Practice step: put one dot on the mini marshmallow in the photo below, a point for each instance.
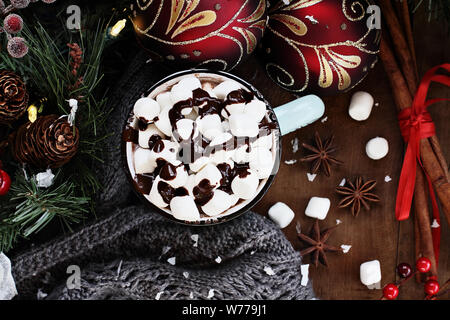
(318, 208)
(281, 214)
(225, 126)
(190, 83)
(377, 148)
(186, 129)
(163, 122)
(199, 164)
(144, 136)
(219, 202)
(221, 139)
(240, 155)
(184, 208)
(245, 187)
(190, 184)
(210, 126)
(243, 125)
(146, 108)
(220, 156)
(164, 100)
(168, 153)
(144, 161)
(179, 93)
(211, 173)
(360, 106)
(256, 108)
(263, 141)
(370, 272)
(232, 109)
(181, 175)
(155, 196)
(223, 89)
(261, 161)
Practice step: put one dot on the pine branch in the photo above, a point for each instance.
(30, 208)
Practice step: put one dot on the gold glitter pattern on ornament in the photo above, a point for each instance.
(223, 62)
(175, 11)
(154, 21)
(201, 19)
(190, 6)
(143, 4)
(249, 37)
(292, 23)
(257, 14)
(291, 79)
(354, 10)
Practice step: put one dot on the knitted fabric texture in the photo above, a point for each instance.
(126, 255)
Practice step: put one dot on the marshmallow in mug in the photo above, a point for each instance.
(146, 108)
(361, 106)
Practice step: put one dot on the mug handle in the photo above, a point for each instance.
(299, 113)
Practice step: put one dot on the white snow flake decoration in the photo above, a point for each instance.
(345, 248)
(338, 221)
(304, 270)
(294, 143)
(45, 179)
(172, 260)
(211, 293)
(158, 295)
(269, 271)
(194, 238)
(290, 162)
(186, 274)
(324, 120)
(435, 224)
(311, 176)
(343, 181)
(387, 179)
(218, 260)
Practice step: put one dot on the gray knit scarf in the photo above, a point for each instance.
(134, 253)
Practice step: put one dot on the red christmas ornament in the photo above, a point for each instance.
(320, 46)
(216, 34)
(423, 264)
(390, 291)
(5, 182)
(431, 287)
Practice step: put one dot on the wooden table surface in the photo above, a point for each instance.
(374, 234)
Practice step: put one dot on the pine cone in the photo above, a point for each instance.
(49, 142)
(13, 97)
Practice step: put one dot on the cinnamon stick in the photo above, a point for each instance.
(400, 45)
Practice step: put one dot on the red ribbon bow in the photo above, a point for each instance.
(416, 124)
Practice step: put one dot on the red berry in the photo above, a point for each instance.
(423, 265)
(5, 183)
(431, 287)
(404, 270)
(13, 23)
(390, 291)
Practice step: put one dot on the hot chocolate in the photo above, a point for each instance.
(200, 146)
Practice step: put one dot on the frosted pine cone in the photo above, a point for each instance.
(13, 97)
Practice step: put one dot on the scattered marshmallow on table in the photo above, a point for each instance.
(318, 208)
(146, 108)
(184, 208)
(245, 187)
(377, 148)
(281, 214)
(370, 272)
(219, 202)
(361, 106)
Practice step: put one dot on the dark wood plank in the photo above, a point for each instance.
(374, 234)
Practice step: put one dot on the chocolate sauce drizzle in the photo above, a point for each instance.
(228, 174)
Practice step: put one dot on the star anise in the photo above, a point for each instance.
(357, 194)
(321, 156)
(317, 240)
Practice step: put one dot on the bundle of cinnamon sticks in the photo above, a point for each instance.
(398, 56)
